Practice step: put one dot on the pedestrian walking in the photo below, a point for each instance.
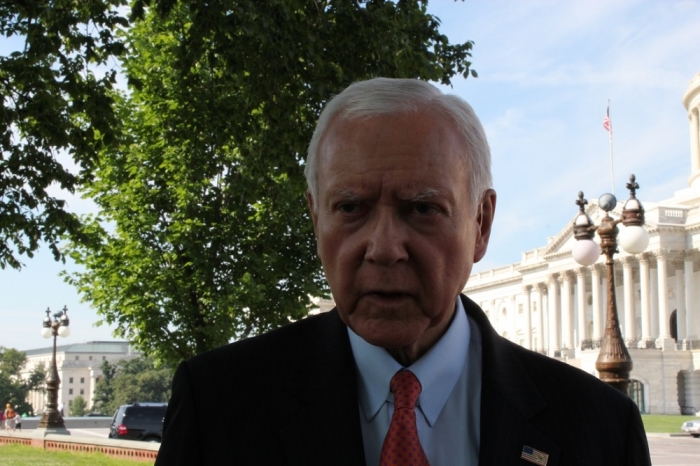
(9, 417)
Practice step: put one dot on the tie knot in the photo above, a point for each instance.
(406, 387)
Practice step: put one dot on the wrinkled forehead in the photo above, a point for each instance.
(416, 150)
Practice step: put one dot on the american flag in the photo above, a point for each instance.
(534, 456)
(607, 124)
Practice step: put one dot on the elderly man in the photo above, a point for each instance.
(405, 371)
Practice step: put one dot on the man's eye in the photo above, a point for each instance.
(349, 208)
(424, 209)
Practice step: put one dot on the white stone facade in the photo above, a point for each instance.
(549, 303)
(78, 368)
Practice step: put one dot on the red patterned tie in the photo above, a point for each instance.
(401, 444)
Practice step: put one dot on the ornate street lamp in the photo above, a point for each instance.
(52, 420)
(614, 362)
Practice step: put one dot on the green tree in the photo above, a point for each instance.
(79, 406)
(208, 236)
(130, 381)
(54, 99)
(13, 388)
(104, 392)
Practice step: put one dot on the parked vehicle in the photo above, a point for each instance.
(692, 427)
(139, 421)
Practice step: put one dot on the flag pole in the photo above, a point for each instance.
(612, 167)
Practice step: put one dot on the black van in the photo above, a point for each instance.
(139, 421)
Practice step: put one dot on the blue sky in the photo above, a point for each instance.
(546, 71)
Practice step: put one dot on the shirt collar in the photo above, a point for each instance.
(437, 370)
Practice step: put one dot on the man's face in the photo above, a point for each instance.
(396, 233)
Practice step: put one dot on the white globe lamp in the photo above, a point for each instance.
(634, 239)
(586, 252)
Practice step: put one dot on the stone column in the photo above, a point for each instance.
(528, 317)
(691, 306)
(680, 300)
(654, 295)
(664, 315)
(597, 308)
(644, 292)
(581, 305)
(541, 291)
(553, 311)
(567, 330)
(630, 326)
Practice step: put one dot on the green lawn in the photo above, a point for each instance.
(665, 423)
(20, 455)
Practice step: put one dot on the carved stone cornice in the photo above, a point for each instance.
(566, 276)
(558, 255)
(496, 284)
(661, 254)
(532, 267)
(689, 255)
(627, 261)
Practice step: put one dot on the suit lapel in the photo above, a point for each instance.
(509, 401)
(326, 428)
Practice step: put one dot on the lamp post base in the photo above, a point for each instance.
(42, 432)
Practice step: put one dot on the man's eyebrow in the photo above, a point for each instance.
(346, 194)
(424, 196)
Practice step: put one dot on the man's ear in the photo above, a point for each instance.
(312, 210)
(484, 219)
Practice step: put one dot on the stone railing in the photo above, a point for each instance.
(688, 345)
(672, 215)
(591, 344)
(645, 343)
(126, 449)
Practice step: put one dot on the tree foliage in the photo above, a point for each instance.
(79, 406)
(129, 381)
(208, 237)
(53, 99)
(13, 388)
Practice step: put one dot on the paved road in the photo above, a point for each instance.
(676, 451)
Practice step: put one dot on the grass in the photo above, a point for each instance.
(661, 423)
(21, 455)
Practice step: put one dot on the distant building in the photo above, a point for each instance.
(78, 368)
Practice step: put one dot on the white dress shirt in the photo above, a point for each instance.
(448, 408)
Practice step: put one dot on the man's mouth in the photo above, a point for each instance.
(387, 296)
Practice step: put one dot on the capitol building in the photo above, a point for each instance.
(549, 303)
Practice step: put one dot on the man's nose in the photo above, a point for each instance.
(386, 238)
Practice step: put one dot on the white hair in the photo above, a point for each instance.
(380, 96)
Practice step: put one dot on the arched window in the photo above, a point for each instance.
(637, 394)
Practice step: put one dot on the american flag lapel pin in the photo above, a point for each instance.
(534, 456)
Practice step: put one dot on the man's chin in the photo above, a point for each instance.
(389, 334)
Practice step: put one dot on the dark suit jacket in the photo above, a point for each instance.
(289, 397)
